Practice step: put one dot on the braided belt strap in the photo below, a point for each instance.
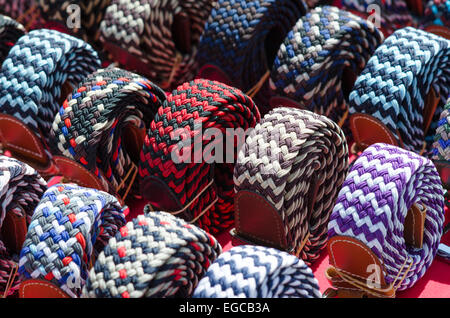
(35, 70)
(297, 161)
(155, 255)
(199, 182)
(396, 80)
(10, 32)
(91, 14)
(162, 34)
(21, 188)
(441, 145)
(437, 12)
(92, 125)
(257, 272)
(392, 14)
(311, 64)
(383, 184)
(242, 37)
(69, 227)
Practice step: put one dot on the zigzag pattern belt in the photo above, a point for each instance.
(257, 272)
(376, 207)
(155, 255)
(161, 35)
(183, 170)
(10, 32)
(287, 178)
(399, 90)
(241, 38)
(21, 188)
(33, 75)
(68, 229)
(91, 14)
(391, 14)
(320, 55)
(102, 125)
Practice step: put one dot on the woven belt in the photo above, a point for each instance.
(69, 227)
(441, 145)
(241, 38)
(257, 272)
(392, 14)
(287, 178)
(396, 98)
(10, 32)
(21, 188)
(200, 190)
(155, 255)
(91, 14)
(320, 58)
(392, 206)
(102, 125)
(161, 35)
(23, 11)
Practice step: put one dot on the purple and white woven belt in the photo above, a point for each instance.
(155, 255)
(257, 272)
(294, 161)
(381, 187)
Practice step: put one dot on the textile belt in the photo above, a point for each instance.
(257, 272)
(398, 97)
(287, 178)
(155, 255)
(21, 188)
(10, 32)
(156, 38)
(23, 11)
(183, 169)
(391, 14)
(91, 14)
(241, 39)
(320, 58)
(68, 229)
(37, 72)
(389, 215)
(103, 122)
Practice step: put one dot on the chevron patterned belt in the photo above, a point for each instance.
(257, 272)
(241, 39)
(320, 58)
(162, 37)
(10, 32)
(392, 14)
(62, 11)
(287, 178)
(398, 97)
(21, 188)
(69, 227)
(387, 222)
(33, 78)
(155, 255)
(102, 125)
(183, 170)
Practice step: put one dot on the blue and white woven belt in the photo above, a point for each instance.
(394, 86)
(441, 145)
(311, 64)
(257, 272)
(21, 188)
(69, 227)
(32, 76)
(155, 255)
(242, 37)
(10, 32)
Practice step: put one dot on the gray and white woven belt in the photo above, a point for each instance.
(287, 178)
(162, 36)
(257, 272)
(21, 188)
(155, 255)
(10, 32)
